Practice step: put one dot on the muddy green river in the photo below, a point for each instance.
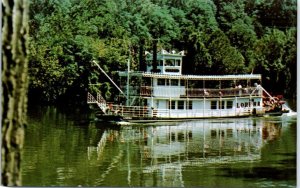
(63, 148)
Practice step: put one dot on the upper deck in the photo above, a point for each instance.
(168, 63)
(170, 82)
(193, 77)
(170, 67)
(204, 77)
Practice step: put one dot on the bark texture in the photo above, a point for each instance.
(14, 88)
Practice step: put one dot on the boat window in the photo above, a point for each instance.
(229, 104)
(258, 103)
(172, 70)
(169, 62)
(173, 105)
(189, 105)
(180, 105)
(161, 62)
(173, 136)
(182, 82)
(174, 82)
(161, 82)
(221, 104)
(213, 104)
(254, 103)
(213, 133)
(177, 62)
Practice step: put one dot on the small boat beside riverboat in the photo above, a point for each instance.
(168, 95)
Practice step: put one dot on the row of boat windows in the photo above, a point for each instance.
(181, 105)
(173, 82)
(168, 62)
(221, 104)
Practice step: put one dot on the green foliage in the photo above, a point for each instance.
(201, 15)
(277, 13)
(219, 37)
(227, 58)
(275, 54)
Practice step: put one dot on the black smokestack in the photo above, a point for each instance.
(141, 55)
(154, 62)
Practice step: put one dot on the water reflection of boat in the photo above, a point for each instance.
(105, 120)
(271, 131)
(210, 139)
(166, 150)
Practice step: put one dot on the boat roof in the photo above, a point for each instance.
(194, 77)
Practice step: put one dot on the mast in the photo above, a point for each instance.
(127, 84)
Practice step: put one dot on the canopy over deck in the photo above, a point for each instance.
(194, 77)
(204, 77)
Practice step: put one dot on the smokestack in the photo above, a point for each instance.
(141, 56)
(154, 61)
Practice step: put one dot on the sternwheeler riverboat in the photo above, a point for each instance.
(169, 95)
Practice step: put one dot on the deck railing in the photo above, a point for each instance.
(99, 100)
(131, 111)
(197, 92)
(140, 111)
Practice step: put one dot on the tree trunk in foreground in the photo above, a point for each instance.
(14, 88)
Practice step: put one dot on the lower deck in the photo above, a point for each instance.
(146, 113)
(158, 108)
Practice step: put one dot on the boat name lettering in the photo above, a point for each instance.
(247, 104)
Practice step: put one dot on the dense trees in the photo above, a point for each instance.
(219, 36)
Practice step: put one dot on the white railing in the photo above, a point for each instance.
(206, 113)
(91, 99)
(172, 91)
(99, 100)
(139, 111)
(130, 111)
(145, 111)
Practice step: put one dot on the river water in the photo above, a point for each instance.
(65, 149)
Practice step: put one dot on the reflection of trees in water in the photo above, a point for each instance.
(271, 131)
